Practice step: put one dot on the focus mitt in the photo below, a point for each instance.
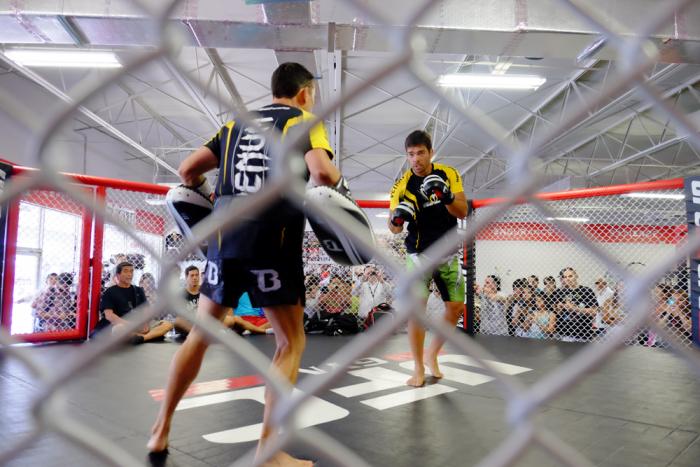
(188, 206)
(339, 246)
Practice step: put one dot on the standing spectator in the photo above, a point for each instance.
(549, 292)
(55, 307)
(371, 289)
(602, 294)
(512, 302)
(118, 300)
(491, 315)
(543, 321)
(661, 297)
(576, 308)
(523, 310)
(534, 282)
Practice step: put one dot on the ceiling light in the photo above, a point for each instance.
(484, 81)
(568, 219)
(64, 58)
(655, 195)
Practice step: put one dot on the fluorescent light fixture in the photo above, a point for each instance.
(655, 195)
(568, 219)
(384, 215)
(64, 58)
(489, 81)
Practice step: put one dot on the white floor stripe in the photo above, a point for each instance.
(455, 374)
(505, 368)
(407, 397)
(379, 380)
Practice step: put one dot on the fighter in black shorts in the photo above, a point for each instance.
(263, 256)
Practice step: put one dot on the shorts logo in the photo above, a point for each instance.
(268, 279)
(331, 245)
(212, 273)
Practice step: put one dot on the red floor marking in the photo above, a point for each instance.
(214, 386)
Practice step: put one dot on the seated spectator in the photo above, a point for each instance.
(435, 308)
(313, 293)
(492, 319)
(191, 296)
(676, 318)
(371, 289)
(612, 307)
(148, 284)
(661, 299)
(602, 294)
(246, 317)
(576, 308)
(55, 307)
(118, 301)
(336, 297)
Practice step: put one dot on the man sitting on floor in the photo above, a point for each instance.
(118, 300)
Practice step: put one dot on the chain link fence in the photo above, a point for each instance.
(534, 280)
(586, 257)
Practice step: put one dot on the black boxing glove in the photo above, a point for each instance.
(434, 184)
(404, 212)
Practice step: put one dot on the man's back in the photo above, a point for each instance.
(245, 162)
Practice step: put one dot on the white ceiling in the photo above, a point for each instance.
(234, 50)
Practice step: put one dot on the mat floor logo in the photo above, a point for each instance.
(317, 411)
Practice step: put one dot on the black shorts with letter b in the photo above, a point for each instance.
(267, 283)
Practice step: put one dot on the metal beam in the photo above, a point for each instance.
(236, 100)
(194, 94)
(150, 111)
(551, 32)
(627, 116)
(47, 86)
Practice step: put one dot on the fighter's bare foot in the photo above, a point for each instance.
(282, 459)
(418, 378)
(158, 441)
(432, 364)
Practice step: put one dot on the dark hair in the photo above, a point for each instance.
(122, 265)
(519, 283)
(534, 277)
(549, 279)
(561, 273)
(189, 268)
(65, 278)
(418, 138)
(288, 79)
(496, 280)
